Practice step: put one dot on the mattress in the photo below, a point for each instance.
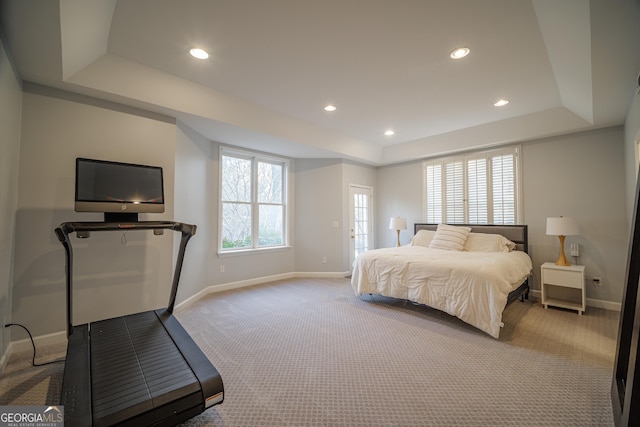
(472, 286)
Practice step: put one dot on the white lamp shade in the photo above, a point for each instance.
(562, 226)
(397, 223)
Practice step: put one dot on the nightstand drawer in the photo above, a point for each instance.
(563, 286)
(570, 279)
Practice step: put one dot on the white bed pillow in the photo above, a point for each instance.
(423, 238)
(450, 237)
(482, 242)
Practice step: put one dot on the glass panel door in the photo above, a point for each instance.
(360, 221)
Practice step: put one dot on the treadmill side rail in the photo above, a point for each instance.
(208, 376)
(76, 389)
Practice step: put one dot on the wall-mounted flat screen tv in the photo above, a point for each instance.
(119, 190)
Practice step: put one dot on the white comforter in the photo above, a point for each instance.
(472, 286)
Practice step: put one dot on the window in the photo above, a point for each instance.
(253, 201)
(479, 188)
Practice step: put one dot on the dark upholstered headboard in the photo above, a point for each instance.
(518, 234)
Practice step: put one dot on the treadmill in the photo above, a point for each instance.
(142, 369)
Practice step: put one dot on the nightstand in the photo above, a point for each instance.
(563, 286)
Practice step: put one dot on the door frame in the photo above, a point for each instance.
(353, 188)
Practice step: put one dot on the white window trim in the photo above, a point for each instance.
(287, 201)
(517, 149)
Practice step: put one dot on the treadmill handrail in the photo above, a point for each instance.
(66, 228)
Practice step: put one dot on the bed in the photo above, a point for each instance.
(474, 281)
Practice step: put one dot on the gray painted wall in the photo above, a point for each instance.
(193, 204)
(399, 194)
(318, 204)
(10, 117)
(111, 278)
(579, 175)
(321, 202)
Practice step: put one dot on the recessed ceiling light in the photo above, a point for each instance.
(330, 108)
(199, 53)
(389, 132)
(460, 52)
(501, 102)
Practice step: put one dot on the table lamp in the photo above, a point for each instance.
(398, 224)
(561, 227)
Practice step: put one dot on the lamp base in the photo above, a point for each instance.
(562, 260)
(398, 244)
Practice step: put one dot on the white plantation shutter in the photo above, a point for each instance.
(504, 179)
(433, 197)
(477, 191)
(454, 191)
(478, 188)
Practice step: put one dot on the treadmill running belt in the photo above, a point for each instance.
(135, 368)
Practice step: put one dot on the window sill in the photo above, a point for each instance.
(241, 252)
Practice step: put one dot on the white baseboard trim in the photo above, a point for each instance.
(25, 346)
(607, 305)
(232, 285)
(323, 274)
(258, 281)
(5, 358)
(42, 340)
(591, 302)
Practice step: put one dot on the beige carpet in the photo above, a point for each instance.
(307, 352)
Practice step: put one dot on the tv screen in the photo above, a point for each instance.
(114, 187)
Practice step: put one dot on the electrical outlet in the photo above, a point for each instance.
(324, 259)
(222, 269)
(575, 249)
